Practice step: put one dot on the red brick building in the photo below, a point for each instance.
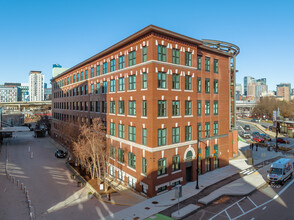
(154, 91)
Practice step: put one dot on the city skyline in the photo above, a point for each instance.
(67, 39)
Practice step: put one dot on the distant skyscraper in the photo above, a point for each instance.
(57, 69)
(284, 91)
(247, 81)
(262, 81)
(36, 81)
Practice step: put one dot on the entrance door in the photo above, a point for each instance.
(189, 171)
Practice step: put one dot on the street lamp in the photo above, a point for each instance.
(197, 167)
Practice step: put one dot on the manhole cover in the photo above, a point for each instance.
(147, 208)
(154, 202)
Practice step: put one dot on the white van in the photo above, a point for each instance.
(280, 171)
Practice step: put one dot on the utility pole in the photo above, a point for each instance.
(197, 166)
(277, 130)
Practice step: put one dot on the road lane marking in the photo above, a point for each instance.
(240, 207)
(228, 214)
(251, 201)
(264, 208)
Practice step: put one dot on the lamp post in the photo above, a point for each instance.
(197, 167)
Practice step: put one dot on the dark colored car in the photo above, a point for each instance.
(266, 137)
(60, 154)
(258, 139)
(282, 140)
(246, 127)
(255, 120)
(255, 133)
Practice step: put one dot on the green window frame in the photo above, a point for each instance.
(105, 68)
(82, 76)
(216, 163)
(207, 107)
(199, 108)
(144, 81)
(161, 108)
(97, 106)
(144, 54)
(207, 152)
(86, 89)
(121, 155)
(132, 160)
(112, 107)
(104, 88)
(144, 165)
(162, 169)
(176, 163)
(132, 82)
(98, 88)
(92, 89)
(161, 80)
(215, 86)
(144, 108)
(207, 129)
(112, 129)
(188, 58)
(207, 64)
(215, 107)
(199, 131)
(144, 136)
(176, 108)
(199, 58)
(161, 133)
(162, 53)
(188, 133)
(188, 107)
(86, 74)
(132, 133)
(215, 65)
(132, 58)
(188, 82)
(121, 86)
(207, 86)
(92, 72)
(78, 77)
(132, 108)
(112, 85)
(121, 63)
(176, 135)
(176, 81)
(98, 70)
(215, 128)
(112, 65)
(198, 85)
(176, 56)
(121, 107)
(74, 78)
(104, 107)
(121, 131)
(112, 152)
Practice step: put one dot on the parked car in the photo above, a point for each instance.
(255, 120)
(280, 171)
(246, 127)
(246, 135)
(266, 137)
(282, 140)
(60, 154)
(258, 139)
(255, 133)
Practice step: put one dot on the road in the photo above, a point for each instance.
(53, 193)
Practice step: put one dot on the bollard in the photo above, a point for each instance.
(24, 189)
(32, 155)
(27, 192)
(29, 149)
(17, 183)
(28, 197)
(29, 203)
(21, 186)
(13, 180)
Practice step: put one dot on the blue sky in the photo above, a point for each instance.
(35, 34)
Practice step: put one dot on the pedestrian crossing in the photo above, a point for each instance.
(248, 171)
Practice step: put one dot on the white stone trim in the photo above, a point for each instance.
(163, 184)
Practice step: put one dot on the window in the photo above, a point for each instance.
(144, 108)
(91, 106)
(144, 54)
(199, 62)
(86, 74)
(144, 165)
(207, 107)
(176, 163)
(188, 82)
(132, 82)
(207, 85)
(132, 133)
(207, 129)
(188, 59)
(112, 85)
(176, 108)
(112, 152)
(199, 108)
(78, 77)
(176, 135)
(215, 107)
(121, 155)
(112, 107)
(215, 128)
(161, 80)
(82, 76)
(112, 65)
(176, 81)
(97, 106)
(132, 107)
(188, 107)
(104, 107)
(161, 108)
(161, 137)
(176, 56)
(215, 65)
(81, 90)
(74, 78)
(188, 133)
(105, 68)
(144, 136)
(121, 64)
(144, 81)
(162, 53)
(161, 166)
(132, 160)
(112, 129)
(104, 88)
(215, 86)
(162, 188)
(121, 131)
(207, 64)
(198, 84)
(132, 58)
(98, 88)
(121, 86)
(120, 175)
(92, 89)
(199, 127)
(216, 164)
(121, 107)
(86, 89)
(98, 70)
